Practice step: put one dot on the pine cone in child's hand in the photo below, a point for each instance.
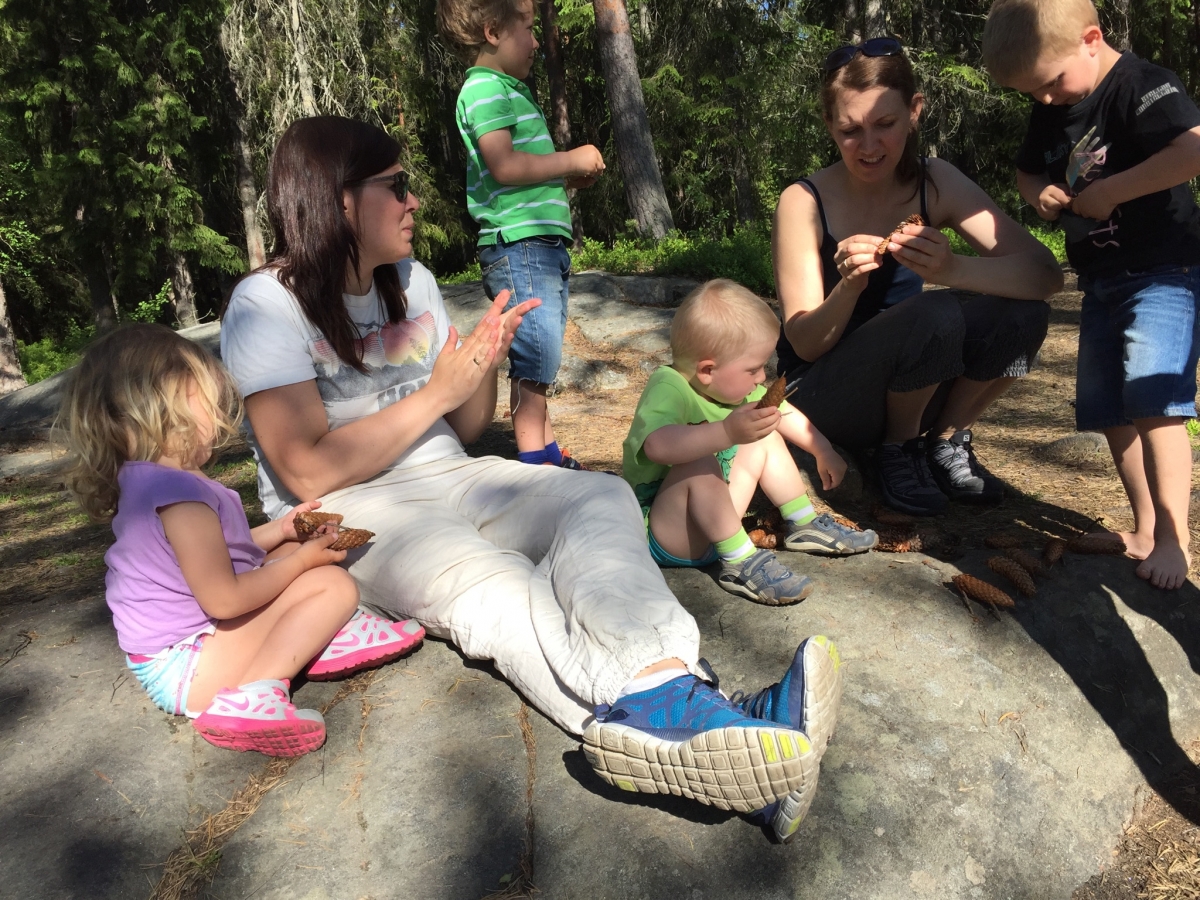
(1099, 542)
(1014, 573)
(914, 219)
(978, 589)
(763, 540)
(775, 394)
(351, 538)
(309, 523)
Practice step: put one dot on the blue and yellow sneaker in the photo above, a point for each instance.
(808, 698)
(685, 738)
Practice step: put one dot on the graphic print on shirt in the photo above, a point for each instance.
(399, 358)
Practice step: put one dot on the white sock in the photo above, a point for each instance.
(651, 681)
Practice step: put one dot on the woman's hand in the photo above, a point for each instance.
(748, 423)
(925, 250)
(509, 321)
(856, 258)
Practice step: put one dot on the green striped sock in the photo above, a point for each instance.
(799, 511)
(736, 548)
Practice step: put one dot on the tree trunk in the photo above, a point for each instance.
(560, 122)
(308, 99)
(248, 199)
(631, 128)
(1118, 24)
(183, 291)
(743, 187)
(11, 377)
(874, 20)
(104, 302)
(850, 23)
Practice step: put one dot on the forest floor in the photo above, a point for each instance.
(1056, 487)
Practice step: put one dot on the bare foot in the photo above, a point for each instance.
(1137, 545)
(1166, 567)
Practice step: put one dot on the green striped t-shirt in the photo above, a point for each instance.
(490, 100)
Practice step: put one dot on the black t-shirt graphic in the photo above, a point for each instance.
(1136, 111)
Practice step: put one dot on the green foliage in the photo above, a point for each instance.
(49, 356)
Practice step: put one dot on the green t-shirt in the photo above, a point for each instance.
(490, 100)
(669, 400)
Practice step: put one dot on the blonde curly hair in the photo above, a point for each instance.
(127, 400)
(719, 320)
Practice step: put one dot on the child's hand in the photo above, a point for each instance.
(1052, 201)
(748, 423)
(315, 552)
(1094, 202)
(832, 468)
(585, 161)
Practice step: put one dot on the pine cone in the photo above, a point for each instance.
(899, 540)
(309, 523)
(775, 394)
(980, 590)
(1002, 541)
(1026, 561)
(351, 538)
(763, 540)
(1053, 550)
(1098, 542)
(1013, 573)
(885, 516)
(914, 219)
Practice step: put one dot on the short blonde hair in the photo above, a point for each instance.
(461, 23)
(1020, 33)
(719, 320)
(127, 400)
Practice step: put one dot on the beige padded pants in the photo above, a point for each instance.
(544, 571)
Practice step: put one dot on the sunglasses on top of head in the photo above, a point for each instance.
(398, 182)
(880, 46)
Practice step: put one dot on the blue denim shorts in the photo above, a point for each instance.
(167, 675)
(1138, 345)
(532, 267)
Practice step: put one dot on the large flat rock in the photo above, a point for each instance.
(977, 757)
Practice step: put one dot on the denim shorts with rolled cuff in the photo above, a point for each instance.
(1139, 339)
(167, 675)
(532, 267)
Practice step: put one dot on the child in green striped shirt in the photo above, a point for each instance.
(517, 191)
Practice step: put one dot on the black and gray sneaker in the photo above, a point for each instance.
(958, 472)
(761, 577)
(906, 481)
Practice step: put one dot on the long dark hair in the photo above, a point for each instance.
(312, 164)
(863, 73)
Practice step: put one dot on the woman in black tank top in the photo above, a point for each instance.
(876, 361)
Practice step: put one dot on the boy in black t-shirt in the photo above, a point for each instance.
(1113, 141)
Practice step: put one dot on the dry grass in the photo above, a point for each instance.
(192, 866)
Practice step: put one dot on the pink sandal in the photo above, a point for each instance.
(364, 642)
(259, 716)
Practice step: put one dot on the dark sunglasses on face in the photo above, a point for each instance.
(880, 46)
(398, 182)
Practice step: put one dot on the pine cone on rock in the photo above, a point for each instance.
(1026, 561)
(899, 540)
(1014, 573)
(1099, 542)
(763, 540)
(978, 589)
(1053, 550)
(1002, 541)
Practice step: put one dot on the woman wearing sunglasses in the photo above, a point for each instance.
(358, 393)
(875, 361)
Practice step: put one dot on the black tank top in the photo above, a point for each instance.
(888, 284)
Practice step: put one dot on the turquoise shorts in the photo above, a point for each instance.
(167, 675)
(666, 560)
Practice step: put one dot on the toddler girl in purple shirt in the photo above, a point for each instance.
(200, 600)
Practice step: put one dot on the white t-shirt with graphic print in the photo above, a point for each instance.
(268, 342)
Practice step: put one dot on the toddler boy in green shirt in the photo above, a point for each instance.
(516, 191)
(699, 447)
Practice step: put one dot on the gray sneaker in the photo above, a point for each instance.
(959, 474)
(764, 579)
(826, 535)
